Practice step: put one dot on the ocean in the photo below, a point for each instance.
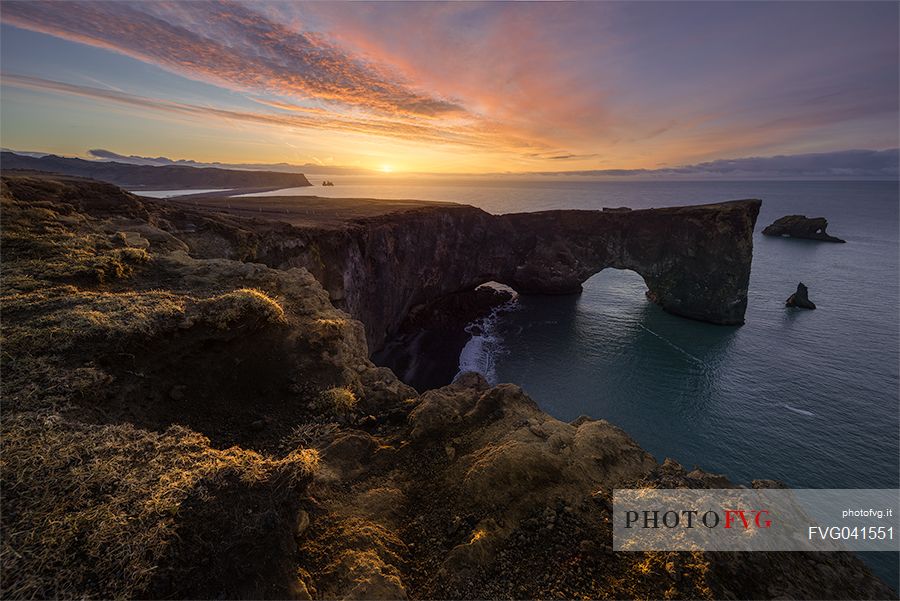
(806, 397)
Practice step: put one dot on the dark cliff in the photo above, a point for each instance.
(171, 177)
(695, 260)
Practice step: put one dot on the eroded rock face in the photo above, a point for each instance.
(425, 351)
(695, 260)
(801, 226)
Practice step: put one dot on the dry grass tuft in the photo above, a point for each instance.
(331, 322)
(338, 400)
(62, 317)
(310, 435)
(226, 309)
(45, 245)
(659, 575)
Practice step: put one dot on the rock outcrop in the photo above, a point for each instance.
(801, 226)
(800, 298)
(184, 427)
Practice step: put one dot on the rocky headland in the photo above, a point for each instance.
(379, 259)
(188, 415)
(149, 177)
(801, 226)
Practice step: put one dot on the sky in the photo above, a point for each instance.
(455, 87)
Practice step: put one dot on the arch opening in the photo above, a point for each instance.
(619, 282)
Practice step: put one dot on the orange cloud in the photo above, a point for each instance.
(521, 65)
(281, 67)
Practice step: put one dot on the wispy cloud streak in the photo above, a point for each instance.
(230, 44)
(469, 136)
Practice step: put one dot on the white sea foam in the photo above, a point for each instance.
(795, 410)
(481, 351)
(478, 356)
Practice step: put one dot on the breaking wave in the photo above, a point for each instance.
(485, 345)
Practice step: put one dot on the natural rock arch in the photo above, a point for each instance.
(695, 260)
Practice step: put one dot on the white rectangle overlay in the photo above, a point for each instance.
(744, 519)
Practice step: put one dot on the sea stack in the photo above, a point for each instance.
(800, 298)
(801, 226)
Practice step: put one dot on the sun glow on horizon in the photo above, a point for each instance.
(536, 91)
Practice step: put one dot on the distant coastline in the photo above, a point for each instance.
(149, 177)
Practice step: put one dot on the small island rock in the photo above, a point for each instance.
(800, 298)
(801, 226)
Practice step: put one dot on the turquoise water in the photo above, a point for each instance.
(806, 397)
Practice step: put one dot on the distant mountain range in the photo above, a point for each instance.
(172, 177)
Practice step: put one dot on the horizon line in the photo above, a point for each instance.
(884, 167)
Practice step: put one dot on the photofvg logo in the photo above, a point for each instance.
(756, 520)
(691, 518)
